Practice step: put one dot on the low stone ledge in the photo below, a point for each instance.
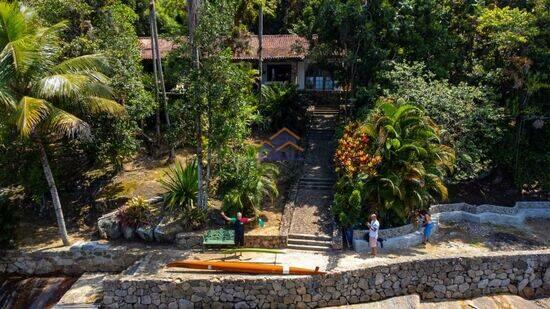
(408, 236)
(189, 240)
(194, 240)
(457, 277)
(75, 260)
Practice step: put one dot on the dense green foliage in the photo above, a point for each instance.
(245, 182)
(472, 124)
(43, 96)
(181, 186)
(478, 70)
(410, 173)
(279, 108)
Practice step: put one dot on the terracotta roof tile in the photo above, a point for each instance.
(279, 46)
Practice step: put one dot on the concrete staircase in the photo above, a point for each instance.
(309, 242)
(311, 227)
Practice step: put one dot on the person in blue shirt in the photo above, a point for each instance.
(428, 225)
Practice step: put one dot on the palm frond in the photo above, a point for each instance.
(101, 105)
(6, 98)
(61, 86)
(22, 53)
(86, 63)
(67, 124)
(29, 112)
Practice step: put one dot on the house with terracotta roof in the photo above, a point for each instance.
(282, 146)
(285, 60)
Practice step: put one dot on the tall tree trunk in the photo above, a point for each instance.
(154, 57)
(260, 49)
(158, 59)
(208, 154)
(192, 6)
(55, 196)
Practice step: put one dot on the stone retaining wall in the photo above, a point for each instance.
(265, 241)
(193, 240)
(78, 259)
(408, 235)
(526, 273)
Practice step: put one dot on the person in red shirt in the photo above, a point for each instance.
(238, 225)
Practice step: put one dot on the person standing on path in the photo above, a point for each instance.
(373, 226)
(238, 226)
(428, 225)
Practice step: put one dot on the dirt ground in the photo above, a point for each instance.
(139, 178)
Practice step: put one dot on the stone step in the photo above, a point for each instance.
(308, 248)
(310, 237)
(326, 111)
(317, 180)
(316, 187)
(309, 242)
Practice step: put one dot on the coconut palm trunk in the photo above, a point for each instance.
(55, 196)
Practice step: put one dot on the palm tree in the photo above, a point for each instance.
(414, 162)
(43, 95)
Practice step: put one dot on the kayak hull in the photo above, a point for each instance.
(245, 267)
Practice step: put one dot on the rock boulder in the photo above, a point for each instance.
(109, 226)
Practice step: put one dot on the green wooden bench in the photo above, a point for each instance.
(219, 237)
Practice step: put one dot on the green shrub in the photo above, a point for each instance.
(194, 218)
(135, 213)
(181, 184)
(348, 201)
(245, 182)
(280, 107)
(469, 119)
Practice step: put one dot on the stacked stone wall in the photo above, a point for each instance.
(74, 261)
(524, 273)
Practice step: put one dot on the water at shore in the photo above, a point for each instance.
(32, 292)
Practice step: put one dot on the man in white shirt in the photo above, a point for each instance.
(374, 225)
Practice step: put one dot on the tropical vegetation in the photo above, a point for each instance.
(398, 164)
(180, 184)
(442, 94)
(245, 182)
(43, 95)
(135, 213)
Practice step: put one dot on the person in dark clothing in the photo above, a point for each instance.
(238, 225)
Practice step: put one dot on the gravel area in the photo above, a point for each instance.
(312, 215)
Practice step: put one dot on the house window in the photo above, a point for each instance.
(279, 72)
(317, 79)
